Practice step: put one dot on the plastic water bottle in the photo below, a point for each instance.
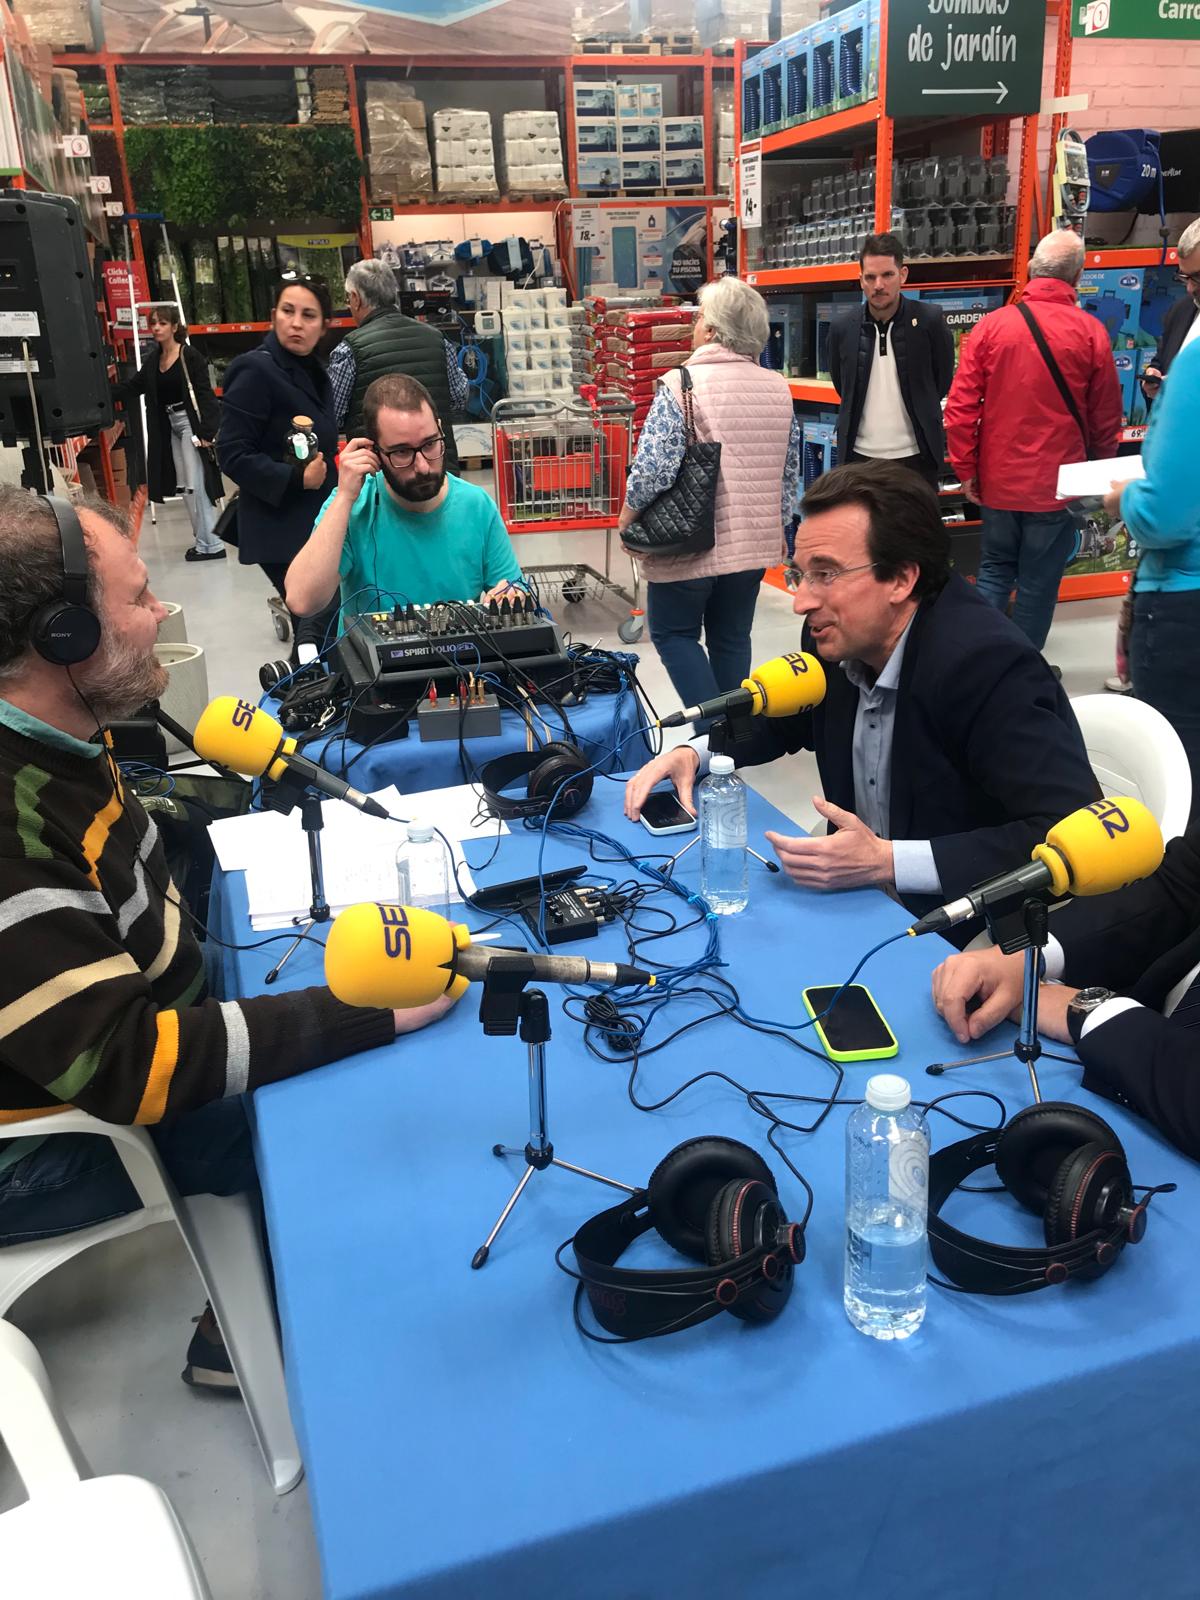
(423, 870)
(887, 1203)
(723, 876)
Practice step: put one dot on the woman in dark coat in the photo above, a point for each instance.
(179, 413)
(264, 390)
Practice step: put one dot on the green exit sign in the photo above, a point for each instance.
(381, 213)
(1135, 19)
(965, 58)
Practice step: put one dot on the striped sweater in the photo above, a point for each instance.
(102, 983)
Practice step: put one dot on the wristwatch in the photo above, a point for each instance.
(1080, 1007)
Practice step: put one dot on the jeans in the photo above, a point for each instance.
(74, 1180)
(724, 607)
(189, 477)
(1025, 550)
(1164, 653)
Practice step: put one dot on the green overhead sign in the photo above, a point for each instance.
(1135, 19)
(965, 58)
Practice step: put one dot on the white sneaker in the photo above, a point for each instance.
(1118, 685)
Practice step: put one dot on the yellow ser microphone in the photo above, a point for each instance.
(1095, 850)
(779, 688)
(403, 956)
(240, 735)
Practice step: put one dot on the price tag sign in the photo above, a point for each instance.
(585, 228)
(100, 183)
(77, 145)
(750, 189)
(381, 213)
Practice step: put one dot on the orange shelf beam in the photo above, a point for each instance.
(858, 119)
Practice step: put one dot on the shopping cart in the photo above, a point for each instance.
(560, 468)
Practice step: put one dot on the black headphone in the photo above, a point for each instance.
(716, 1202)
(66, 630)
(1061, 1162)
(557, 763)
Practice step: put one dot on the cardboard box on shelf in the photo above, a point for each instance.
(643, 137)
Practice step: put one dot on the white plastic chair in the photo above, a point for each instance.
(1134, 750)
(222, 1236)
(111, 1538)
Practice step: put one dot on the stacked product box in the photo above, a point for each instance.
(463, 158)
(582, 361)
(830, 65)
(397, 143)
(724, 22)
(635, 348)
(531, 157)
(538, 344)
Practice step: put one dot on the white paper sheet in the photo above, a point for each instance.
(1091, 480)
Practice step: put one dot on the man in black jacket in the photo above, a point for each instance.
(945, 745)
(1182, 323)
(891, 363)
(1133, 1024)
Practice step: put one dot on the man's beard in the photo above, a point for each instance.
(120, 679)
(425, 486)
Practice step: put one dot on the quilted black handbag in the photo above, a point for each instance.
(682, 520)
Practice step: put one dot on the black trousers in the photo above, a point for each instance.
(305, 630)
(919, 464)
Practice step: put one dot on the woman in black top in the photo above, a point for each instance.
(264, 390)
(179, 415)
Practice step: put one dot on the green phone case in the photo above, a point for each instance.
(852, 1055)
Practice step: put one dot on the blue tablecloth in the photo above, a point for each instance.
(461, 1439)
(606, 726)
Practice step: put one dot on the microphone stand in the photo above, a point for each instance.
(285, 794)
(1023, 927)
(505, 1007)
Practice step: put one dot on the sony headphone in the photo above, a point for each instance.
(558, 772)
(715, 1201)
(1061, 1162)
(65, 630)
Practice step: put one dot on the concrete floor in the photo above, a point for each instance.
(113, 1326)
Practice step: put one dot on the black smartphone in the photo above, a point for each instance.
(855, 1029)
(663, 813)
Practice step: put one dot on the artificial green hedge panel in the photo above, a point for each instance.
(226, 177)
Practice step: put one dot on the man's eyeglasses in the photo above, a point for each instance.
(403, 455)
(1191, 279)
(822, 577)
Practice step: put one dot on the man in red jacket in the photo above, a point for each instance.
(1010, 426)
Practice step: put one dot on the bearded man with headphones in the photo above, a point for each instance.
(103, 1000)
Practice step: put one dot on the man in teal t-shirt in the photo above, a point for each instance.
(397, 530)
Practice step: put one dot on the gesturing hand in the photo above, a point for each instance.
(847, 859)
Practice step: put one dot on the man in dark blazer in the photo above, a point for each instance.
(945, 745)
(891, 362)
(1129, 1000)
(1182, 322)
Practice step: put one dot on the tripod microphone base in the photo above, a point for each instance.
(537, 1159)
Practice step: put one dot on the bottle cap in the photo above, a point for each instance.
(886, 1091)
(720, 766)
(422, 833)
(302, 422)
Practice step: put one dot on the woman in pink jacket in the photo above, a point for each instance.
(749, 410)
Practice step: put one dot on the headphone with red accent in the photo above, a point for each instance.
(1066, 1165)
(716, 1202)
(558, 772)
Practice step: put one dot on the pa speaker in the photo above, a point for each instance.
(48, 303)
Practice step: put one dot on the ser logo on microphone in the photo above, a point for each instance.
(1110, 817)
(397, 937)
(798, 662)
(243, 714)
